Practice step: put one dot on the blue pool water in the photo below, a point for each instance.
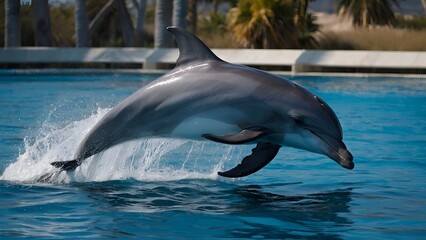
(161, 188)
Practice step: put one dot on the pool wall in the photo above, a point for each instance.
(293, 61)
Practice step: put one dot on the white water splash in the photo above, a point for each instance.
(145, 160)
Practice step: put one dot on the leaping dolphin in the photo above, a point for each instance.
(206, 97)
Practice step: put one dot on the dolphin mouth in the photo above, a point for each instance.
(344, 158)
(336, 150)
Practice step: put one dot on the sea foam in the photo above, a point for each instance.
(151, 159)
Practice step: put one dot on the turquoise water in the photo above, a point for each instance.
(161, 188)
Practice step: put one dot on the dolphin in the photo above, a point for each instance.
(204, 97)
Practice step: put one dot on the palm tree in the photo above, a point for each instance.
(307, 29)
(305, 23)
(12, 29)
(368, 12)
(163, 13)
(141, 9)
(100, 17)
(192, 15)
(180, 8)
(127, 31)
(81, 24)
(301, 9)
(105, 22)
(263, 24)
(42, 27)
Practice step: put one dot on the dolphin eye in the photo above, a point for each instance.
(298, 120)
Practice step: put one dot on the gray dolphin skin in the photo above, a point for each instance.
(204, 97)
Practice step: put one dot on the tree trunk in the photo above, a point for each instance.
(81, 24)
(125, 23)
(364, 19)
(163, 19)
(424, 5)
(12, 31)
(140, 23)
(96, 22)
(216, 4)
(192, 15)
(42, 27)
(180, 8)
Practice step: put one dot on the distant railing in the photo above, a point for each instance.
(296, 61)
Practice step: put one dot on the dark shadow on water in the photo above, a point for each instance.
(310, 216)
(259, 212)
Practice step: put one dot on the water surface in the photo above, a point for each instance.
(161, 188)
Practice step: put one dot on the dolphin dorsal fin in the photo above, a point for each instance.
(191, 48)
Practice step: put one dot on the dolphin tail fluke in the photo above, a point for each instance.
(261, 155)
(66, 165)
(46, 178)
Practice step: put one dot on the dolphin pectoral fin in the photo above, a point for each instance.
(261, 155)
(66, 165)
(245, 136)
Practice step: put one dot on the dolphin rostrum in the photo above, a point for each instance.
(206, 97)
